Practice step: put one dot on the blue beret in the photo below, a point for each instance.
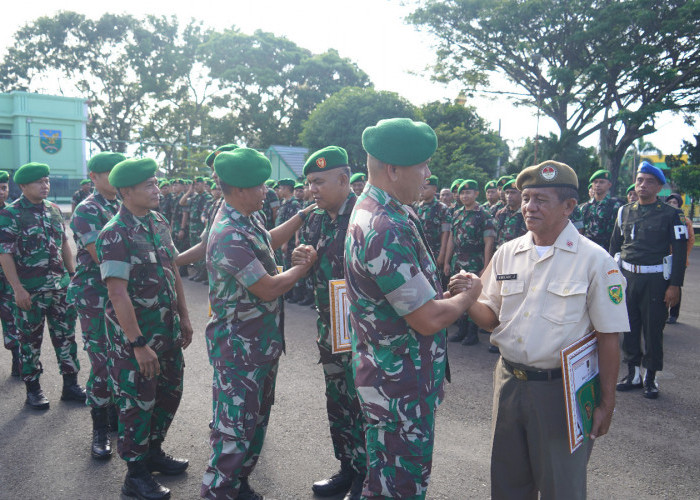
(647, 168)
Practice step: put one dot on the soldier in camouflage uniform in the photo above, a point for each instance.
(492, 196)
(147, 326)
(36, 260)
(446, 197)
(398, 316)
(271, 205)
(469, 248)
(81, 194)
(357, 183)
(436, 221)
(7, 311)
(164, 205)
(289, 206)
(509, 220)
(180, 235)
(325, 231)
(599, 213)
(501, 195)
(88, 293)
(245, 335)
(196, 206)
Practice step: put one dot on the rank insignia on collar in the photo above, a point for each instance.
(569, 243)
(615, 293)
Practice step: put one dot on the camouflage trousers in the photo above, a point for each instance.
(347, 425)
(146, 406)
(53, 307)
(400, 458)
(92, 323)
(242, 401)
(7, 315)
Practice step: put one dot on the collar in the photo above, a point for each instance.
(384, 198)
(237, 217)
(23, 202)
(130, 220)
(567, 240)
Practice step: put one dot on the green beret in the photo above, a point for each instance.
(433, 180)
(31, 172)
(286, 182)
(213, 185)
(590, 185)
(400, 141)
(509, 185)
(327, 158)
(199, 179)
(455, 184)
(221, 149)
(270, 183)
(104, 161)
(164, 183)
(547, 174)
(491, 185)
(502, 180)
(85, 181)
(4, 177)
(631, 188)
(600, 174)
(469, 184)
(243, 167)
(131, 172)
(358, 177)
(299, 185)
(186, 182)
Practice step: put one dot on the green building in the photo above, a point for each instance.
(46, 129)
(287, 161)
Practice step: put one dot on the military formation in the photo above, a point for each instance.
(530, 267)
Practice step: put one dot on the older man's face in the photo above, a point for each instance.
(543, 210)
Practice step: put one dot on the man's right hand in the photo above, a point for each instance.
(148, 361)
(23, 299)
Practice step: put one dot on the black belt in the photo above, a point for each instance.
(532, 375)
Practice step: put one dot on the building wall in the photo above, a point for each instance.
(280, 170)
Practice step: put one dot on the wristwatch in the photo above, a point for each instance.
(302, 215)
(139, 342)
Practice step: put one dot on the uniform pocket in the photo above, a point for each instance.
(565, 301)
(511, 299)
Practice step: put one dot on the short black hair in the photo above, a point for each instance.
(565, 192)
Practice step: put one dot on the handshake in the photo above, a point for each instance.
(304, 255)
(465, 283)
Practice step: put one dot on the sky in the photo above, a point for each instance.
(372, 33)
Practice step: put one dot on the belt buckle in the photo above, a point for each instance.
(519, 374)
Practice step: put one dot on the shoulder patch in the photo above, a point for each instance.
(615, 293)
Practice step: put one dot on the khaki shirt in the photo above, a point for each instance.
(545, 304)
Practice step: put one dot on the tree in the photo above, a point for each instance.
(271, 85)
(341, 119)
(594, 67)
(686, 176)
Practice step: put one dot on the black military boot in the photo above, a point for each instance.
(140, 483)
(472, 337)
(15, 362)
(291, 296)
(338, 483)
(101, 444)
(245, 492)
(35, 396)
(355, 492)
(113, 418)
(158, 461)
(633, 380)
(651, 388)
(461, 332)
(71, 390)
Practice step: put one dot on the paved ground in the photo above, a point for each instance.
(651, 452)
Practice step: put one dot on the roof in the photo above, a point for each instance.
(293, 156)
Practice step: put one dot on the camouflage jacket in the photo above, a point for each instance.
(399, 373)
(288, 208)
(177, 211)
(510, 224)
(198, 204)
(576, 218)
(599, 219)
(211, 217)
(140, 251)
(244, 331)
(469, 228)
(35, 234)
(165, 204)
(270, 202)
(79, 196)
(327, 236)
(436, 219)
(493, 210)
(86, 223)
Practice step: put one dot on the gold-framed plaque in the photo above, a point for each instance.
(340, 316)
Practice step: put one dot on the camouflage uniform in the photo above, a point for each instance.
(140, 250)
(176, 225)
(510, 224)
(399, 373)
(165, 206)
(287, 210)
(7, 311)
(270, 202)
(469, 228)
(436, 219)
(89, 293)
(576, 218)
(79, 196)
(599, 219)
(327, 236)
(197, 208)
(493, 209)
(245, 341)
(35, 235)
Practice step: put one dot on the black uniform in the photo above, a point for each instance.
(644, 235)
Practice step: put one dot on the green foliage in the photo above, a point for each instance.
(340, 120)
(687, 180)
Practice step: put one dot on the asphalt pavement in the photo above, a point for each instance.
(652, 450)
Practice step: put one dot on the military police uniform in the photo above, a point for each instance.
(34, 234)
(244, 336)
(643, 236)
(390, 272)
(544, 300)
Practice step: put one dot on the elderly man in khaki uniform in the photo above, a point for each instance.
(541, 292)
